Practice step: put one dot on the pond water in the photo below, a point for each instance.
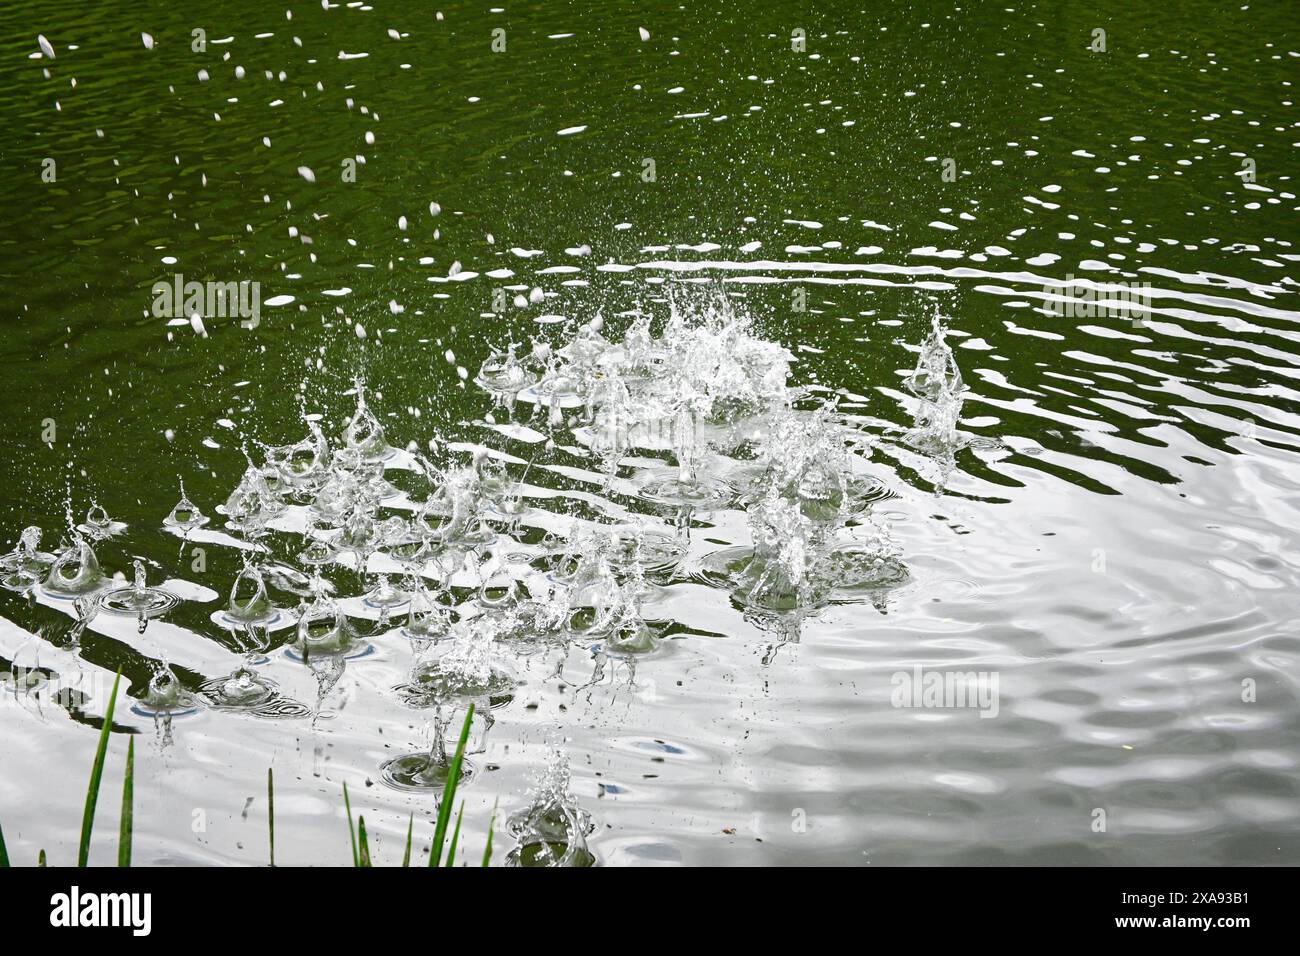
(1114, 547)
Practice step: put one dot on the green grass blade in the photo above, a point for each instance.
(365, 843)
(270, 810)
(352, 833)
(406, 857)
(487, 850)
(455, 836)
(96, 775)
(40, 858)
(4, 854)
(128, 808)
(449, 794)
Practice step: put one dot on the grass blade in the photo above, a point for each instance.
(96, 775)
(270, 810)
(487, 850)
(4, 854)
(449, 794)
(455, 837)
(352, 833)
(406, 857)
(365, 844)
(128, 809)
(40, 858)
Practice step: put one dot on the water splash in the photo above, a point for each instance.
(249, 602)
(243, 688)
(705, 389)
(75, 571)
(937, 384)
(552, 830)
(185, 515)
(165, 698)
(325, 631)
(24, 567)
(470, 664)
(798, 506)
(139, 599)
(364, 435)
(98, 526)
